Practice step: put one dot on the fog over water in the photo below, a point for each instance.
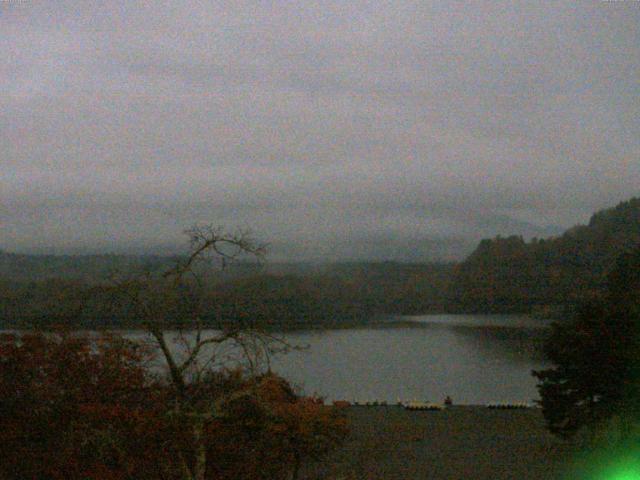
(334, 129)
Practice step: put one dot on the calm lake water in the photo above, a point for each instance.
(476, 359)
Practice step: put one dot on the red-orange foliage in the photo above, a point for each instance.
(78, 408)
(274, 431)
(74, 408)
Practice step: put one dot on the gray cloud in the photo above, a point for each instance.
(121, 123)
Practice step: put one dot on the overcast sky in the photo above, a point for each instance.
(123, 122)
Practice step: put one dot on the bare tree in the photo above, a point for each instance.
(170, 307)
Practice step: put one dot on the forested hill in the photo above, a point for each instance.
(98, 268)
(74, 291)
(511, 275)
(24, 267)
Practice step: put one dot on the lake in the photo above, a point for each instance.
(476, 359)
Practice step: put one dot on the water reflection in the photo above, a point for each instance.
(522, 345)
(460, 356)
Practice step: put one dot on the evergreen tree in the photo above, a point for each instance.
(596, 357)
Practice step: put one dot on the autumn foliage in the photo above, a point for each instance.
(75, 407)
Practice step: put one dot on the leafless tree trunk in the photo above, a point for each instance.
(154, 298)
(200, 463)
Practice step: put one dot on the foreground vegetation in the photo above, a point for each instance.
(78, 408)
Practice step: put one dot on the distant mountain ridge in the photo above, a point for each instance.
(509, 274)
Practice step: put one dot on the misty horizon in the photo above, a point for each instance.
(400, 131)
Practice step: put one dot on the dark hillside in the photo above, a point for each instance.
(335, 295)
(92, 268)
(511, 275)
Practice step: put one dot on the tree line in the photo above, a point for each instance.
(511, 275)
(503, 275)
(342, 295)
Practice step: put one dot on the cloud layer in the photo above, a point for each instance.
(122, 123)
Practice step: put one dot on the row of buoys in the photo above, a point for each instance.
(418, 405)
(370, 403)
(508, 406)
(412, 405)
(423, 406)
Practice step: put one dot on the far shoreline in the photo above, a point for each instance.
(379, 321)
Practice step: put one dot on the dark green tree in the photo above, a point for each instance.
(596, 358)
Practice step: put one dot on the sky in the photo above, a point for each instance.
(330, 129)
